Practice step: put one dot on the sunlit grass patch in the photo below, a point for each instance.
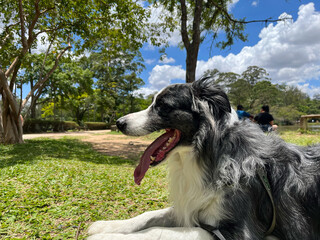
(298, 138)
(49, 187)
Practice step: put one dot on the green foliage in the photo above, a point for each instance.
(215, 20)
(95, 125)
(62, 26)
(39, 125)
(117, 79)
(82, 23)
(253, 88)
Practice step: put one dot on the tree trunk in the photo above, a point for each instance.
(33, 102)
(191, 65)
(11, 120)
(12, 125)
(1, 127)
(33, 109)
(192, 46)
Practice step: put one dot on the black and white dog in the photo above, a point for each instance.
(213, 164)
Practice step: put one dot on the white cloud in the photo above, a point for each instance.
(42, 44)
(254, 3)
(145, 91)
(166, 60)
(149, 61)
(310, 90)
(290, 51)
(156, 16)
(162, 76)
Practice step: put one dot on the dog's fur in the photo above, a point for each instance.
(213, 174)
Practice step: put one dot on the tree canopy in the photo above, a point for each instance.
(64, 25)
(253, 88)
(199, 19)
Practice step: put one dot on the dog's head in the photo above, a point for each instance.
(181, 110)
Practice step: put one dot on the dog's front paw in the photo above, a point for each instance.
(116, 226)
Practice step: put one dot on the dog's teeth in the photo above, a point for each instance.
(152, 159)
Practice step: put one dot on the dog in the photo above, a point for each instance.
(214, 162)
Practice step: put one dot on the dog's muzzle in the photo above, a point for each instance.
(121, 124)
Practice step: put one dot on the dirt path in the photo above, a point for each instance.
(104, 142)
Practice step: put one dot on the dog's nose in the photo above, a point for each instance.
(121, 124)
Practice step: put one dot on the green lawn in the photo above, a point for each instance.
(52, 189)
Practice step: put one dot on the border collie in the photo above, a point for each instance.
(214, 161)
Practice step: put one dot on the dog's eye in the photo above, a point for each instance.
(162, 108)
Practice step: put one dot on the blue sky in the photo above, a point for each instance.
(289, 51)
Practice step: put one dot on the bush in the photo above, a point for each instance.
(70, 125)
(95, 125)
(40, 125)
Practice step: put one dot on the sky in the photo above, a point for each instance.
(289, 51)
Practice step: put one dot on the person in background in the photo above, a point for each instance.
(242, 115)
(265, 120)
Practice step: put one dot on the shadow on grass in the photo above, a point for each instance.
(52, 149)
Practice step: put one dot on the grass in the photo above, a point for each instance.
(298, 138)
(53, 189)
(50, 188)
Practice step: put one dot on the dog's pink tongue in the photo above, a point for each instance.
(153, 149)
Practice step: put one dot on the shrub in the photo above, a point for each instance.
(40, 125)
(96, 125)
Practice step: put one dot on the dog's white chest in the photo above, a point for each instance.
(193, 203)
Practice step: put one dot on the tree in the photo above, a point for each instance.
(71, 88)
(205, 16)
(264, 93)
(65, 24)
(239, 92)
(117, 78)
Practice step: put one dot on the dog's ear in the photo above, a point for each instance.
(207, 90)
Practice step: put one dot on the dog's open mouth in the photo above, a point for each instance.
(156, 152)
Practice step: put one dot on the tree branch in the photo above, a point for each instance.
(35, 19)
(14, 75)
(196, 22)
(22, 25)
(184, 19)
(235, 21)
(40, 83)
(47, 30)
(12, 66)
(39, 90)
(46, 10)
(26, 43)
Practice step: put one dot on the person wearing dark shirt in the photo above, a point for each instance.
(265, 119)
